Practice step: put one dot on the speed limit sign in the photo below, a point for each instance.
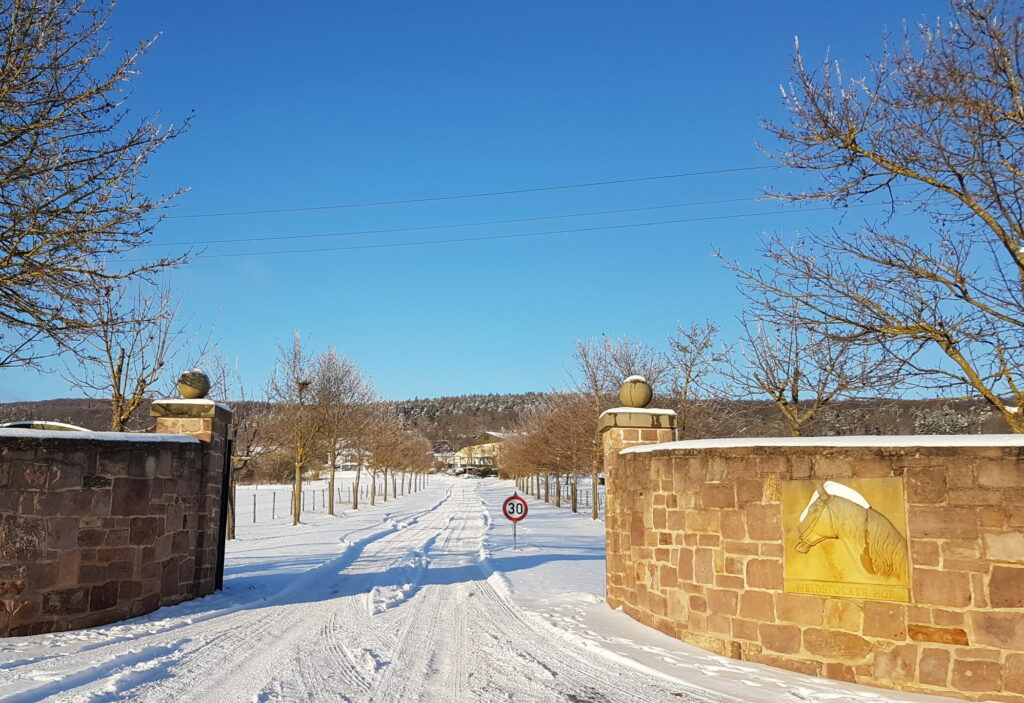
(514, 508)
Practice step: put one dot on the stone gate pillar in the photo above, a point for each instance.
(633, 423)
(630, 425)
(208, 422)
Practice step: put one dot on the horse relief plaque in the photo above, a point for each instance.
(846, 538)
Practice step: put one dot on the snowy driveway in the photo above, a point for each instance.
(421, 599)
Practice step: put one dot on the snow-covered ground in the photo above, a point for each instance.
(419, 599)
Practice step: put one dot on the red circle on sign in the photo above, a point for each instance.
(515, 508)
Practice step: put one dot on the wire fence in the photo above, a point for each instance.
(256, 503)
(559, 494)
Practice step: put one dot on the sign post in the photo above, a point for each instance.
(514, 508)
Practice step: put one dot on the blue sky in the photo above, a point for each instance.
(300, 105)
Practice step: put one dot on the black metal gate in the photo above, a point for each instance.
(225, 494)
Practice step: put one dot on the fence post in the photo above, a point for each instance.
(273, 505)
(254, 507)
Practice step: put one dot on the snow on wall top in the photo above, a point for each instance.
(645, 411)
(910, 440)
(195, 401)
(16, 433)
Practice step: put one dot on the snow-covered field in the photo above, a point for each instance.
(419, 599)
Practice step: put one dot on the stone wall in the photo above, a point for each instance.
(98, 527)
(696, 549)
(622, 428)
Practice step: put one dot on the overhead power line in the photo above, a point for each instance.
(434, 242)
(271, 238)
(465, 196)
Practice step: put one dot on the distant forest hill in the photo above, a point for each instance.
(458, 419)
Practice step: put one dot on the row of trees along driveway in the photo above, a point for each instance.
(323, 410)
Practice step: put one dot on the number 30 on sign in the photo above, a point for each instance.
(514, 508)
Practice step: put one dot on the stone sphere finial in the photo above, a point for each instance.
(193, 384)
(636, 392)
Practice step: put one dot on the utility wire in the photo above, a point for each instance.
(465, 196)
(450, 226)
(432, 242)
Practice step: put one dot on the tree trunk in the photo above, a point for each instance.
(558, 490)
(297, 494)
(330, 483)
(232, 495)
(373, 489)
(573, 499)
(394, 487)
(355, 488)
(385, 485)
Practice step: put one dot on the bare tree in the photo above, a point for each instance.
(132, 335)
(343, 396)
(933, 128)
(248, 425)
(416, 457)
(801, 371)
(593, 380)
(625, 357)
(695, 364)
(392, 447)
(297, 422)
(381, 445)
(600, 368)
(555, 440)
(378, 415)
(70, 163)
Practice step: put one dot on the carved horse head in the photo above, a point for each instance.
(816, 521)
(867, 534)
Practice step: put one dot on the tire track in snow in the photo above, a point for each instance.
(288, 635)
(119, 673)
(418, 644)
(355, 647)
(486, 650)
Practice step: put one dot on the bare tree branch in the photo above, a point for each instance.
(131, 337)
(938, 120)
(70, 166)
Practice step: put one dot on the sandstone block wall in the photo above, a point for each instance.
(616, 439)
(626, 427)
(95, 530)
(695, 549)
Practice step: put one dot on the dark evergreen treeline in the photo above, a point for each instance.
(457, 418)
